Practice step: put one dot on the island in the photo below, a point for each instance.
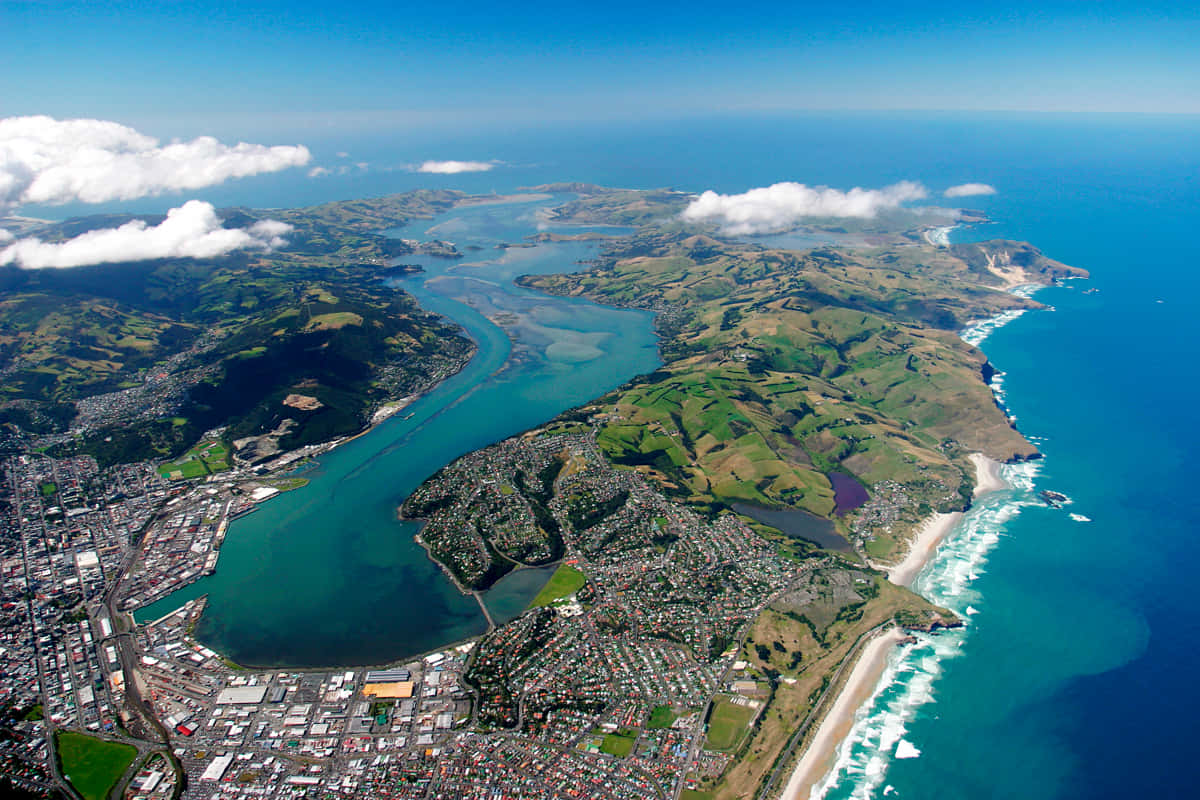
(717, 534)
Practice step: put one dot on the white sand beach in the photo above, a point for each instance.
(923, 546)
(987, 475)
(935, 528)
(821, 751)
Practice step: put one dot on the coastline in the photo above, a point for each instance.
(935, 528)
(303, 455)
(987, 475)
(939, 235)
(380, 414)
(922, 547)
(820, 753)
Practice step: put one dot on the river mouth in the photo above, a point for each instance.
(327, 576)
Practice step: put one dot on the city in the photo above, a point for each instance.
(609, 687)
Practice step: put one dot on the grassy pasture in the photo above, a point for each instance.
(565, 581)
(93, 765)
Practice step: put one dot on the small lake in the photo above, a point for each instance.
(797, 524)
(848, 493)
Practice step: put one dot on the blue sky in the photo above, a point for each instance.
(462, 62)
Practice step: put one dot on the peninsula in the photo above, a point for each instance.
(719, 528)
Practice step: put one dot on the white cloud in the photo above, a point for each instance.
(45, 160)
(190, 231)
(969, 190)
(344, 169)
(5, 236)
(455, 167)
(781, 206)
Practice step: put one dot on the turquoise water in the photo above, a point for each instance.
(327, 575)
(1076, 675)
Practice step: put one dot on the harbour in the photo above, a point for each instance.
(326, 575)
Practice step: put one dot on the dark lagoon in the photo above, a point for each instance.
(798, 524)
(327, 575)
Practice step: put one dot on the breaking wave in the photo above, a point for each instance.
(907, 684)
(976, 332)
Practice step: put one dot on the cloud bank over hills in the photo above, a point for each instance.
(191, 231)
(781, 206)
(50, 161)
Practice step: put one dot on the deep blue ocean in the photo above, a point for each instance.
(1076, 676)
